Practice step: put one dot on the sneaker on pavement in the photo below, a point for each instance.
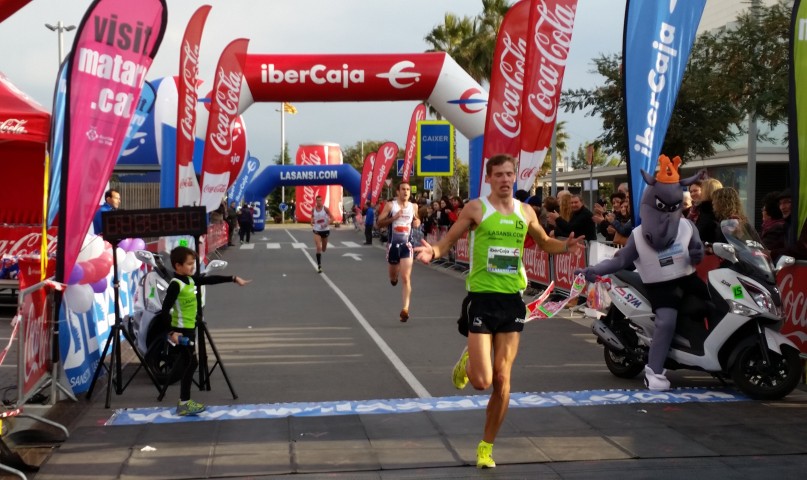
(404, 314)
(319, 269)
(393, 282)
(190, 408)
(484, 455)
(460, 377)
(654, 381)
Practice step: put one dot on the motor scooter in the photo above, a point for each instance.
(734, 334)
(150, 337)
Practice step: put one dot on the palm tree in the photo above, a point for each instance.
(481, 47)
(561, 137)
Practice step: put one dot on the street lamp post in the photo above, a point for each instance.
(282, 158)
(60, 28)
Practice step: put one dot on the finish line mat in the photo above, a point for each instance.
(136, 416)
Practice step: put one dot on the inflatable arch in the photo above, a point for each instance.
(434, 77)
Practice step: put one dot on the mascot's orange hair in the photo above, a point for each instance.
(668, 169)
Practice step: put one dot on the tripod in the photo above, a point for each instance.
(115, 365)
(203, 338)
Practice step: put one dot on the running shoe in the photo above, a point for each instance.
(484, 455)
(460, 376)
(190, 408)
(393, 282)
(404, 315)
(319, 269)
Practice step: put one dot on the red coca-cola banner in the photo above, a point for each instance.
(549, 37)
(223, 112)
(461, 253)
(503, 125)
(412, 141)
(9, 7)
(239, 152)
(35, 316)
(187, 185)
(536, 263)
(565, 265)
(306, 195)
(25, 240)
(791, 281)
(367, 177)
(386, 154)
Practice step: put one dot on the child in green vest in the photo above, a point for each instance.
(180, 303)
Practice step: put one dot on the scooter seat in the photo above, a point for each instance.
(633, 279)
(692, 306)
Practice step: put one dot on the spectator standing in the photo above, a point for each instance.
(773, 223)
(232, 222)
(581, 221)
(245, 223)
(369, 220)
(695, 193)
(707, 223)
(111, 203)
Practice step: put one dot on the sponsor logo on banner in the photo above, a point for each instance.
(565, 265)
(13, 126)
(397, 73)
(383, 162)
(367, 177)
(549, 38)
(306, 195)
(412, 141)
(794, 304)
(536, 264)
(318, 74)
(462, 254)
(468, 101)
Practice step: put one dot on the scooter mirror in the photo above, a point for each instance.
(146, 257)
(784, 261)
(215, 266)
(724, 251)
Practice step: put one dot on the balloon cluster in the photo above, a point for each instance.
(94, 262)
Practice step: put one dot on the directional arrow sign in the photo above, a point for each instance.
(435, 148)
(355, 256)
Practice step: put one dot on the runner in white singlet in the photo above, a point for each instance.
(401, 215)
(321, 219)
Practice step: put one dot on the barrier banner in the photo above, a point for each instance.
(114, 46)
(367, 178)
(565, 265)
(306, 196)
(503, 123)
(656, 44)
(187, 191)
(461, 254)
(411, 140)
(549, 38)
(36, 322)
(224, 99)
(797, 125)
(24, 240)
(387, 153)
(536, 264)
(84, 334)
(791, 281)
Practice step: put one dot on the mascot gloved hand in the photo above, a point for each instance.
(664, 250)
(588, 272)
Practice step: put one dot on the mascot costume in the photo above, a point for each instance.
(665, 249)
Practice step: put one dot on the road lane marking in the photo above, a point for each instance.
(272, 246)
(407, 375)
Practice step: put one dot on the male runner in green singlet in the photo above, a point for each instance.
(493, 309)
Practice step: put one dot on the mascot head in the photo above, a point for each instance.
(662, 202)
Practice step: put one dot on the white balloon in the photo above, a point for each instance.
(79, 298)
(96, 247)
(129, 264)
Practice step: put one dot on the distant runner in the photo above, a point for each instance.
(321, 219)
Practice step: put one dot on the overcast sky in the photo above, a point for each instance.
(30, 54)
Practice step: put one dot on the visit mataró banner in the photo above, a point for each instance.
(656, 45)
(114, 47)
(798, 117)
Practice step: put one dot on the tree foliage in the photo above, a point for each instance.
(734, 71)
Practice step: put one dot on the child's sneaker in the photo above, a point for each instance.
(484, 455)
(190, 408)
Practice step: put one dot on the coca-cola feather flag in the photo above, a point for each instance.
(10, 7)
(412, 141)
(223, 112)
(113, 49)
(187, 191)
(503, 123)
(367, 178)
(550, 35)
(386, 154)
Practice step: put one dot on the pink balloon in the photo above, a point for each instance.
(89, 273)
(137, 244)
(101, 268)
(125, 244)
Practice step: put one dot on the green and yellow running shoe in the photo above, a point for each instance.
(460, 377)
(190, 408)
(484, 455)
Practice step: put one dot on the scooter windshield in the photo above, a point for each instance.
(754, 259)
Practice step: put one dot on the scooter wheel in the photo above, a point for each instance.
(766, 382)
(165, 362)
(621, 365)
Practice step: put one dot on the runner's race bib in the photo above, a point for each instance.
(503, 260)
